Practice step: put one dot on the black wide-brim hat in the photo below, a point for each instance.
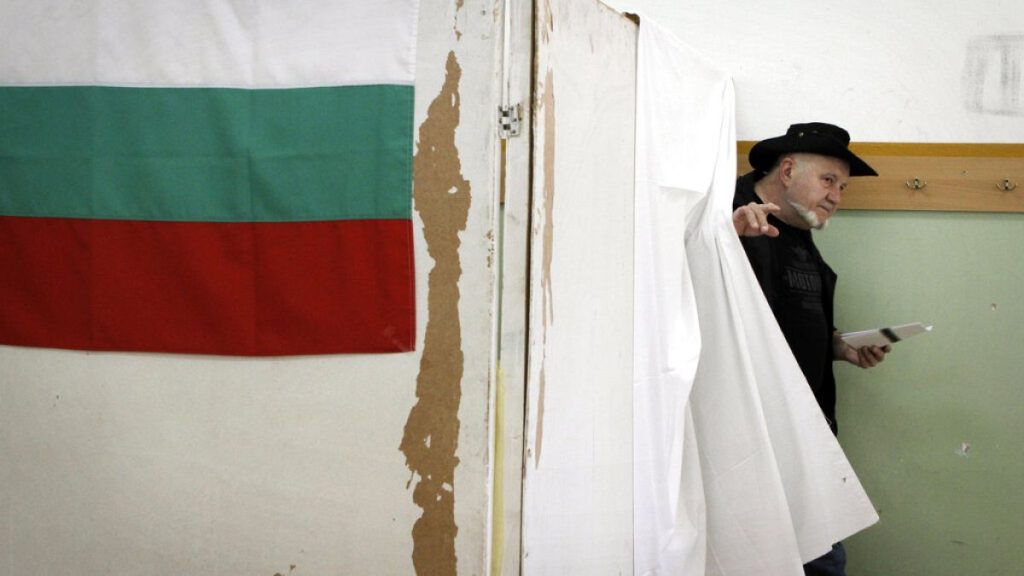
(811, 138)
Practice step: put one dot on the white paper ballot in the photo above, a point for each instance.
(884, 336)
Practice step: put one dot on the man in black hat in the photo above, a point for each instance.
(795, 187)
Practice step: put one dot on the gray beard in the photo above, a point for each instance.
(808, 216)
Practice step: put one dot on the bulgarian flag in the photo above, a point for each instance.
(207, 176)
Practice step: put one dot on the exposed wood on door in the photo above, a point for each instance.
(442, 199)
(547, 105)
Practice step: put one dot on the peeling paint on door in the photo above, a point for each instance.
(455, 24)
(550, 20)
(442, 198)
(547, 104)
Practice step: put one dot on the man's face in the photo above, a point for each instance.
(814, 186)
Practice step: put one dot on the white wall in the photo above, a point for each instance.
(902, 71)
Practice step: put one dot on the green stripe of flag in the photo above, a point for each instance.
(206, 154)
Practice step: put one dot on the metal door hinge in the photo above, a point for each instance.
(509, 119)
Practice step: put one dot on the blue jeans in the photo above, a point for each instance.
(831, 564)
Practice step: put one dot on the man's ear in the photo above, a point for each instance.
(786, 166)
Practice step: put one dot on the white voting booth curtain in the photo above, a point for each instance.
(736, 471)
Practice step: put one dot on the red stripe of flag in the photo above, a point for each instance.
(209, 288)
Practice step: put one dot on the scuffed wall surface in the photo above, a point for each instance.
(935, 430)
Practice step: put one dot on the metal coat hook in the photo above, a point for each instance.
(1006, 185)
(916, 184)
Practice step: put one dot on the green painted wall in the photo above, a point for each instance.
(906, 424)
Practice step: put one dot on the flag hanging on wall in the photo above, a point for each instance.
(199, 176)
